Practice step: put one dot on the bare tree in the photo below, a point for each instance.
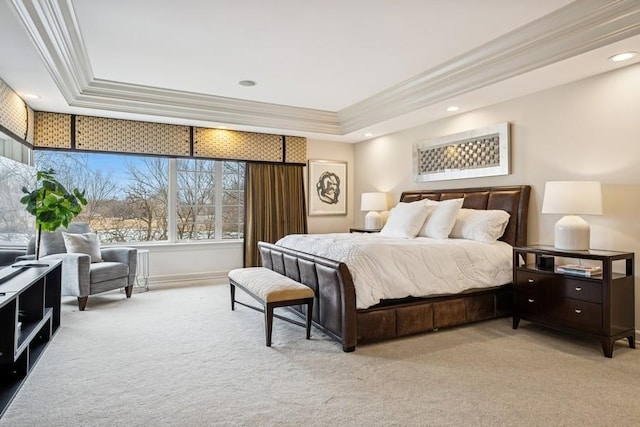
(233, 174)
(16, 224)
(196, 199)
(74, 171)
(147, 195)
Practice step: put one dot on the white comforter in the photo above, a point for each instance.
(386, 267)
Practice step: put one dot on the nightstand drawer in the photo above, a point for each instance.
(527, 279)
(531, 302)
(583, 290)
(580, 314)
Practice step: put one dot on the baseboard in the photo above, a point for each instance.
(200, 278)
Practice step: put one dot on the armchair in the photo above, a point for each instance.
(80, 276)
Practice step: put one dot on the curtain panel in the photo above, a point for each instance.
(274, 206)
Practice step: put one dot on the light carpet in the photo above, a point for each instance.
(181, 357)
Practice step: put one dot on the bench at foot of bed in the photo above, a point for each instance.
(271, 290)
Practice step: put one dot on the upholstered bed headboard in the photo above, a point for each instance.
(513, 199)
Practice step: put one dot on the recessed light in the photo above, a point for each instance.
(453, 108)
(622, 56)
(247, 83)
(30, 96)
(368, 134)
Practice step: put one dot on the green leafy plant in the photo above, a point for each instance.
(52, 204)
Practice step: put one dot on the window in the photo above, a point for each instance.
(232, 200)
(210, 199)
(138, 199)
(17, 226)
(196, 207)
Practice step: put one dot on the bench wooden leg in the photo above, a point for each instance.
(309, 316)
(232, 288)
(268, 322)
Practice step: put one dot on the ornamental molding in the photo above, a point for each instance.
(572, 30)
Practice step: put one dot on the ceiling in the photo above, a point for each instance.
(330, 70)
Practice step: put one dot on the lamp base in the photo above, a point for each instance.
(572, 233)
(372, 221)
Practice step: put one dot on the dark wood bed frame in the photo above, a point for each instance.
(334, 308)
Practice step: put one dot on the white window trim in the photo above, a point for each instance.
(172, 200)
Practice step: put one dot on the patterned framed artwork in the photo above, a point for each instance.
(327, 187)
(471, 154)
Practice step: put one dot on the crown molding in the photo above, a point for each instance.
(574, 29)
(55, 32)
(53, 27)
(133, 98)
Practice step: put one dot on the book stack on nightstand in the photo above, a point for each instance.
(579, 270)
(596, 301)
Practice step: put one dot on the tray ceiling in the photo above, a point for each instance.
(328, 70)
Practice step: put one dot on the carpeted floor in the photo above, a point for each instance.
(180, 357)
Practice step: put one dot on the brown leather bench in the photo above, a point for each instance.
(271, 290)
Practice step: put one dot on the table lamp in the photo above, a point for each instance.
(373, 202)
(572, 198)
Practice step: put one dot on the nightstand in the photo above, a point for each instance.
(601, 306)
(363, 230)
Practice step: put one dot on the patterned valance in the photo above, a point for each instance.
(220, 143)
(127, 136)
(43, 130)
(69, 132)
(53, 130)
(16, 118)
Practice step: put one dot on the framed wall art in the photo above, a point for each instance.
(471, 154)
(327, 187)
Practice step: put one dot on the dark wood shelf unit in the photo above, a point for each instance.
(29, 316)
(601, 307)
(364, 230)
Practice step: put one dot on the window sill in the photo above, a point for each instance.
(160, 246)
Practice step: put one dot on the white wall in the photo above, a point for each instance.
(205, 262)
(584, 130)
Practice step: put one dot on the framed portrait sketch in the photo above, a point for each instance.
(327, 187)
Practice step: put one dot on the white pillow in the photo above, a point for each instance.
(405, 220)
(86, 243)
(441, 220)
(483, 226)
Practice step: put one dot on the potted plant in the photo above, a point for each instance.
(51, 204)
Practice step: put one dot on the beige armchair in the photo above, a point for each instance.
(82, 274)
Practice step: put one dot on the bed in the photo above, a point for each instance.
(335, 310)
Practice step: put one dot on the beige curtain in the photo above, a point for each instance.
(274, 206)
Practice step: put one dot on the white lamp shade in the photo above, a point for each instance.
(572, 197)
(373, 202)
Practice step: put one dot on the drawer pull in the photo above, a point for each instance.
(530, 280)
(578, 288)
(578, 311)
(531, 300)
